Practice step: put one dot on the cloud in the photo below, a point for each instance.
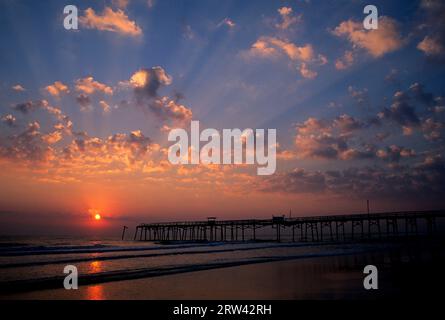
(57, 88)
(146, 82)
(433, 44)
(84, 102)
(296, 181)
(376, 42)
(433, 130)
(426, 117)
(423, 180)
(345, 61)
(109, 20)
(18, 88)
(27, 145)
(166, 109)
(105, 106)
(394, 153)
(305, 72)
(270, 46)
(418, 92)
(361, 96)
(273, 48)
(227, 22)
(187, 32)
(136, 143)
(121, 4)
(347, 124)
(401, 111)
(51, 145)
(120, 149)
(392, 76)
(9, 120)
(28, 106)
(323, 139)
(89, 86)
(321, 146)
(287, 18)
(52, 137)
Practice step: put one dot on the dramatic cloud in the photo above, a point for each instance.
(424, 179)
(57, 88)
(27, 145)
(146, 82)
(117, 149)
(109, 20)
(323, 139)
(376, 42)
(89, 86)
(65, 152)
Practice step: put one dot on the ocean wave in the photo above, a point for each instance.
(97, 248)
(150, 255)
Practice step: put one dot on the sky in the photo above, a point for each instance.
(85, 113)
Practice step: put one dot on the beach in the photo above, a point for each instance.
(241, 271)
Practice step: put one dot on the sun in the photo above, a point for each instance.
(95, 214)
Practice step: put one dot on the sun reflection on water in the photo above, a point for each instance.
(95, 266)
(95, 292)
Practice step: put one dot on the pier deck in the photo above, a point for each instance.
(315, 228)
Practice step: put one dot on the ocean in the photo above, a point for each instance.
(30, 265)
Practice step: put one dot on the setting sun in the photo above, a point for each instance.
(97, 216)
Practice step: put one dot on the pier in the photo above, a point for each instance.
(301, 229)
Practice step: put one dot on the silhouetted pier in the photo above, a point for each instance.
(317, 228)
